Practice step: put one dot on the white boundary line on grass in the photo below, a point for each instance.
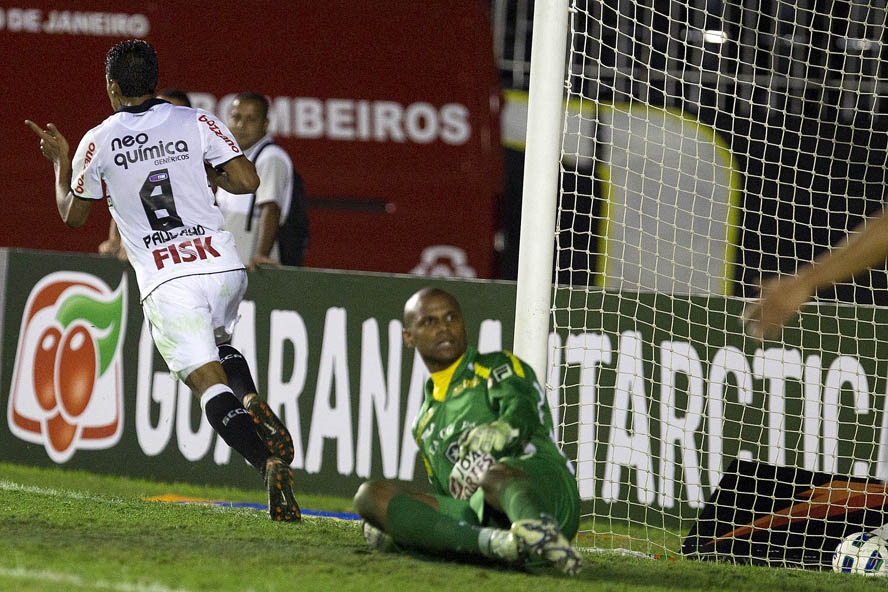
(11, 486)
(8, 485)
(42, 575)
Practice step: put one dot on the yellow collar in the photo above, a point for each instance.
(441, 380)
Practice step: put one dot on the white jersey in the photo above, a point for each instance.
(149, 163)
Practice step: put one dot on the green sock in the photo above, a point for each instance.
(415, 524)
(520, 501)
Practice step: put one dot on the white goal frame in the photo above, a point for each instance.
(541, 183)
(679, 391)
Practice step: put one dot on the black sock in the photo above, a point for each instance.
(238, 372)
(235, 424)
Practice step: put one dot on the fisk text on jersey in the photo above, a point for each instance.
(185, 252)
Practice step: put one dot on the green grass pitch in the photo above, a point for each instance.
(71, 531)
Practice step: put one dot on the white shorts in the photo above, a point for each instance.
(190, 316)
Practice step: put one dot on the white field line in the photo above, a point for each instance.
(10, 486)
(70, 581)
(617, 552)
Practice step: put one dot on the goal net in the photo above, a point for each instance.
(706, 145)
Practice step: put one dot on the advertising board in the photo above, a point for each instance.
(390, 111)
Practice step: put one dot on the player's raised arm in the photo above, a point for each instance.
(780, 298)
(55, 148)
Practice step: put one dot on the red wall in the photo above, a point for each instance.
(389, 109)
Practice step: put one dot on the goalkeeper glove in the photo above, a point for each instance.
(466, 475)
(486, 438)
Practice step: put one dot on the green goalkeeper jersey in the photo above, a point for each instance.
(485, 388)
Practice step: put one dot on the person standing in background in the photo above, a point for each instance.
(255, 223)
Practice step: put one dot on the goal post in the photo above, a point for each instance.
(541, 181)
(701, 147)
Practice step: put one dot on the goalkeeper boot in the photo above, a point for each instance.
(282, 504)
(542, 538)
(501, 544)
(271, 429)
(377, 539)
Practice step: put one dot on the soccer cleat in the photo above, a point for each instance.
(502, 544)
(271, 429)
(282, 504)
(377, 539)
(543, 539)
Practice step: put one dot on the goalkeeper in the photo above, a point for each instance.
(501, 487)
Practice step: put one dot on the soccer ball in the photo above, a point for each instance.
(862, 553)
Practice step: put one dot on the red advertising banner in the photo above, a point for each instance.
(390, 111)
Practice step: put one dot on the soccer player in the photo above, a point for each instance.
(501, 487)
(112, 245)
(781, 297)
(148, 160)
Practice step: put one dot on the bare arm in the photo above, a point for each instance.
(269, 222)
(781, 297)
(54, 146)
(112, 245)
(238, 176)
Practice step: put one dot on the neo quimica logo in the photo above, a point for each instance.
(67, 385)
